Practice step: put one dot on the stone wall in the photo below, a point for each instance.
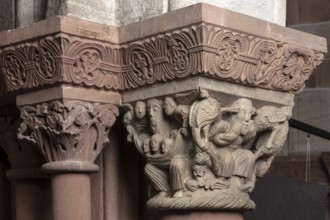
(20, 13)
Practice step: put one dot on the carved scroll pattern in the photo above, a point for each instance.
(90, 63)
(226, 55)
(76, 131)
(202, 49)
(203, 154)
(59, 58)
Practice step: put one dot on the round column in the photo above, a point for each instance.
(71, 189)
(31, 191)
(71, 196)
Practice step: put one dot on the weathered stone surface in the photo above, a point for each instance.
(97, 11)
(224, 91)
(270, 10)
(130, 11)
(7, 12)
(29, 12)
(319, 29)
(123, 12)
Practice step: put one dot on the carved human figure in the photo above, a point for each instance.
(241, 129)
(158, 123)
(141, 121)
(140, 109)
(136, 122)
(155, 142)
(229, 161)
(179, 112)
(166, 144)
(163, 146)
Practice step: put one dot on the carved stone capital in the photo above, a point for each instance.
(24, 157)
(203, 153)
(69, 135)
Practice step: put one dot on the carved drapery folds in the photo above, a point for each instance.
(204, 154)
(70, 135)
(199, 49)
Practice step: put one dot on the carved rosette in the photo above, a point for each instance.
(204, 154)
(203, 49)
(69, 136)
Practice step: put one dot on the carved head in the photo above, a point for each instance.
(155, 141)
(169, 105)
(245, 109)
(203, 94)
(146, 145)
(155, 113)
(140, 109)
(166, 144)
(128, 117)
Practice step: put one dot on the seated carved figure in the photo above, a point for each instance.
(166, 151)
(228, 160)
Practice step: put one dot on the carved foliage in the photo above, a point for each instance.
(21, 154)
(76, 131)
(201, 49)
(204, 154)
(90, 63)
(225, 55)
(58, 58)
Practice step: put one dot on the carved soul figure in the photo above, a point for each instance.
(201, 154)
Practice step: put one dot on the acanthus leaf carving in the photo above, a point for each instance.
(20, 153)
(74, 131)
(203, 154)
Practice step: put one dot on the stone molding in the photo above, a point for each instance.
(59, 58)
(203, 49)
(69, 136)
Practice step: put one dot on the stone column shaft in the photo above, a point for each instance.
(30, 195)
(30, 186)
(71, 196)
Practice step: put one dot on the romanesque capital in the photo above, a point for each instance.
(69, 135)
(24, 157)
(204, 154)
